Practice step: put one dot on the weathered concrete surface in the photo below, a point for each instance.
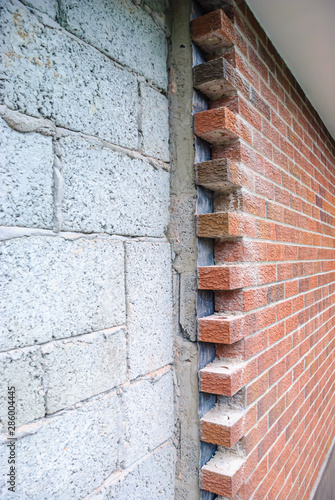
(184, 244)
(151, 478)
(123, 31)
(149, 306)
(22, 369)
(148, 415)
(53, 288)
(95, 88)
(182, 229)
(49, 74)
(154, 123)
(26, 179)
(68, 455)
(107, 191)
(49, 7)
(79, 368)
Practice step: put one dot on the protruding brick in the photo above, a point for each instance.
(225, 426)
(225, 329)
(221, 126)
(215, 33)
(212, 31)
(223, 474)
(226, 377)
(225, 225)
(223, 175)
(226, 277)
(215, 78)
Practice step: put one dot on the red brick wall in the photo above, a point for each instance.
(273, 181)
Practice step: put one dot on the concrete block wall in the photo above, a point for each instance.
(272, 178)
(86, 280)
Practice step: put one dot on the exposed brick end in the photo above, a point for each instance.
(221, 126)
(224, 329)
(226, 378)
(225, 472)
(225, 426)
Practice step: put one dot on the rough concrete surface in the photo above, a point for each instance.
(26, 178)
(183, 240)
(148, 415)
(151, 478)
(154, 123)
(79, 368)
(53, 288)
(68, 455)
(22, 369)
(49, 74)
(107, 191)
(123, 31)
(49, 7)
(85, 273)
(149, 306)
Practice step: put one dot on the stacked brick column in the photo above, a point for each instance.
(272, 177)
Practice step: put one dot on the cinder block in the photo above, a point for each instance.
(107, 191)
(149, 306)
(51, 287)
(49, 7)
(79, 368)
(123, 31)
(148, 416)
(23, 370)
(154, 123)
(68, 455)
(50, 74)
(26, 169)
(152, 477)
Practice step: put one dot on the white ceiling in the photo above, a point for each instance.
(303, 32)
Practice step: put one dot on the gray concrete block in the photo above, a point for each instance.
(148, 416)
(79, 368)
(49, 74)
(151, 478)
(68, 455)
(51, 287)
(49, 7)
(107, 191)
(149, 306)
(123, 31)
(23, 370)
(154, 123)
(26, 172)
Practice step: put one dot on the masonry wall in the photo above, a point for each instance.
(271, 178)
(86, 324)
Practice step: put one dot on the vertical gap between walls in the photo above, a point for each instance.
(205, 298)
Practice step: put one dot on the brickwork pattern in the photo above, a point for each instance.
(272, 175)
